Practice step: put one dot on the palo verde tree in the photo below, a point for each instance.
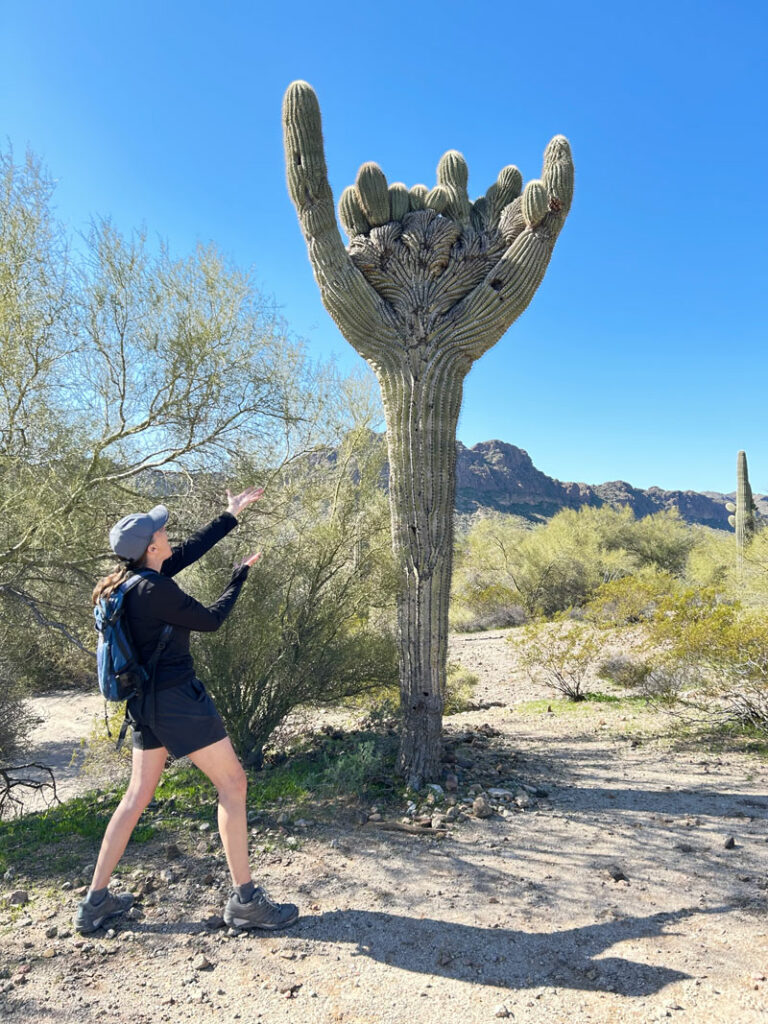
(429, 282)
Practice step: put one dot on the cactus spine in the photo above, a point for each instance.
(421, 294)
(743, 518)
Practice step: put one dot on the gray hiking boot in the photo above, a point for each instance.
(89, 917)
(259, 912)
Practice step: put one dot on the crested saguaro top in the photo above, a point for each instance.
(424, 268)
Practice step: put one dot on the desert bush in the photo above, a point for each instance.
(15, 718)
(459, 689)
(313, 623)
(631, 599)
(623, 670)
(564, 655)
(720, 648)
(563, 563)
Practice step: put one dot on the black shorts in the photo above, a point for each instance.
(186, 720)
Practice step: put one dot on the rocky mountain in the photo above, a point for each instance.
(499, 476)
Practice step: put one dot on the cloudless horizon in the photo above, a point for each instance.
(642, 356)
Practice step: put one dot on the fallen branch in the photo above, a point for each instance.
(11, 782)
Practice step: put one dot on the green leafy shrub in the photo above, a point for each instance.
(625, 671)
(459, 689)
(631, 599)
(718, 647)
(313, 622)
(564, 655)
(563, 563)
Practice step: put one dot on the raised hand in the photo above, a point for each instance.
(237, 502)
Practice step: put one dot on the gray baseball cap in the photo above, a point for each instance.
(131, 536)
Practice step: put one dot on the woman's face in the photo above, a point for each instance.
(160, 543)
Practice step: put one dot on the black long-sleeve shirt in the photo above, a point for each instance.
(157, 600)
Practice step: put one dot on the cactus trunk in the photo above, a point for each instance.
(743, 518)
(422, 414)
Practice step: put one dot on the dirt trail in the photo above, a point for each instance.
(635, 890)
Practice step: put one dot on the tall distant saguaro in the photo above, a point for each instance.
(429, 282)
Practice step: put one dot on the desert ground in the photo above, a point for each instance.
(621, 875)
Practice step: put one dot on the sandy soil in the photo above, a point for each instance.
(612, 898)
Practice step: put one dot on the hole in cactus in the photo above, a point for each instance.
(497, 284)
(297, 159)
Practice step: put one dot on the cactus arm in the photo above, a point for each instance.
(361, 314)
(534, 222)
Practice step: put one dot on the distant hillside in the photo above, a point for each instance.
(499, 476)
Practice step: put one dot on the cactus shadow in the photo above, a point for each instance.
(507, 958)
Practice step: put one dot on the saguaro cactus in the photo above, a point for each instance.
(743, 518)
(429, 282)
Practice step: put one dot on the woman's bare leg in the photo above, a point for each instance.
(219, 762)
(147, 768)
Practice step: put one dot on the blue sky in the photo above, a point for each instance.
(643, 355)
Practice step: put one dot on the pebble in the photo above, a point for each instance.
(499, 793)
(292, 842)
(502, 1011)
(523, 799)
(481, 808)
(203, 964)
(18, 898)
(204, 826)
(284, 818)
(172, 852)
(49, 954)
(616, 873)
(167, 875)
(729, 843)
(52, 932)
(451, 782)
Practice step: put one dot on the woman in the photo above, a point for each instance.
(177, 716)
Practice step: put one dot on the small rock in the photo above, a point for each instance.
(203, 964)
(523, 799)
(292, 842)
(66, 886)
(52, 932)
(729, 843)
(172, 852)
(481, 807)
(168, 876)
(451, 782)
(501, 1011)
(204, 826)
(208, 878)
(375, 817)
(616, 873)
(284, 818)
(685, 848)
(437, 790)
(500, 794)
(49, 954)
(81, 890)
(18, 898)
(438, 821)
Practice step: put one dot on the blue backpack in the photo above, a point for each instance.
(121, 674)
